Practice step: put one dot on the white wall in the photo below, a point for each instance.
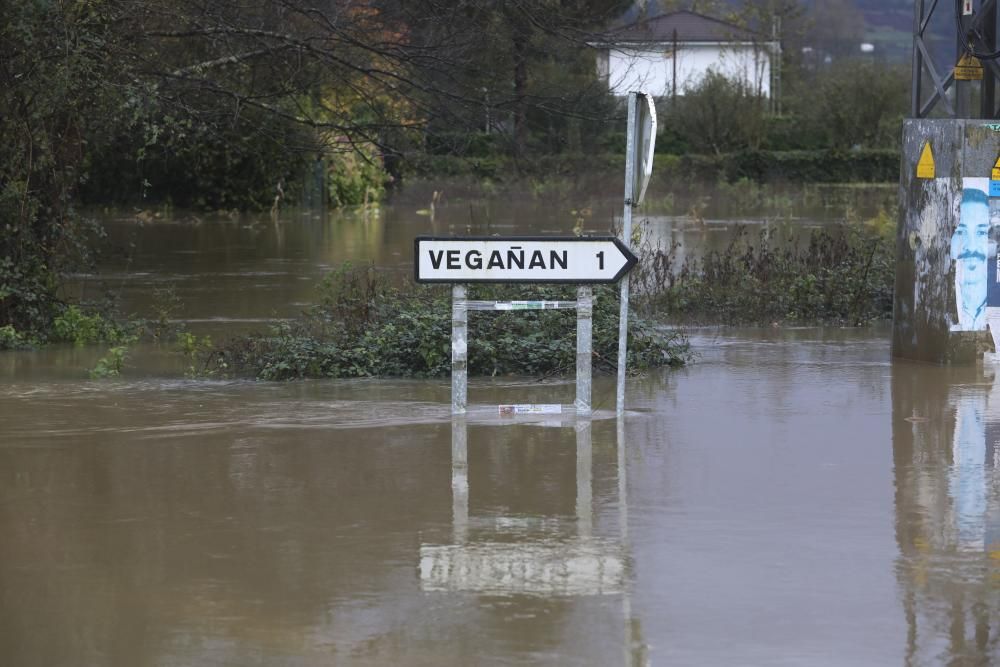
(650, 68)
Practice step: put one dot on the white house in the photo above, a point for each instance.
(671, 53)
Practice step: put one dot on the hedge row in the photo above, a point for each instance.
(870, 166)
(803, 166)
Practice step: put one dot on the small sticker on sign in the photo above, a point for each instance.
(925, 166)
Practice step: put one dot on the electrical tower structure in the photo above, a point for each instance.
(950, 34)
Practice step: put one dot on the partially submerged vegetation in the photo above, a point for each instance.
(841, 274)
(364, 325)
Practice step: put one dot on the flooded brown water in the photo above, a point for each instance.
(790, 498)
(239, 273)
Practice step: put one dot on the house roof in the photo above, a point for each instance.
(690, 27)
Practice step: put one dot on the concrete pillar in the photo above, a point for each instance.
(946, 241)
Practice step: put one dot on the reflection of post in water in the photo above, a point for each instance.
(584, 482)
(546, 566)
(635, 647)
(459, 479)
(550, 565)
(946, 428)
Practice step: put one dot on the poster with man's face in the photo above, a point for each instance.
(970, 253)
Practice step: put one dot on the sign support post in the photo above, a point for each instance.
(584, 348)
(630, 164)
(640, 139)
(459, 349)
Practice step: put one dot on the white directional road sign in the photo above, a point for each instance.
(490, 259)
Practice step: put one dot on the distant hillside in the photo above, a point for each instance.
(888, 23)
(892, 14)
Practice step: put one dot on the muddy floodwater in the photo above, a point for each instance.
(792, 497)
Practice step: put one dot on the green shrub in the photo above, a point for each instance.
(193, 163)
(365, 327)
(111, 364)
(193, 348)
(73, 325)
(843, 275)
(764, 166)
(11, 339)
(816, 166)
(718, 115)
(355, 177)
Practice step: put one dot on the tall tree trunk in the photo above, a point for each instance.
(520, 44)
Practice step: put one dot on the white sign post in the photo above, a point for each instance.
(639, 144)
(574, 260)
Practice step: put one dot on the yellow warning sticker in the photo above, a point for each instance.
(968, 69)
(925, 166)
(995, 176)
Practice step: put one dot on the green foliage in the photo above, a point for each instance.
(363, 326)
(763, 166)
(191, 345)
(201, 163)
(718, 115)
(50, 109)
(11, 339)
(73, 325)
(355, 177)
(111, 364)
(813, 166)
(194, 349)
(842, 275)
(853, 104)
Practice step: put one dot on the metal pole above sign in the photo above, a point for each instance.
(639, 145)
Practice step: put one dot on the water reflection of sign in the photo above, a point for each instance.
(967, 481)
(580, 567)
(577, 564)
(947, 511)
(531, 409)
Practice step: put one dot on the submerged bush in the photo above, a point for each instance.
(363, 326)
(111, 364)
(74, 325)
